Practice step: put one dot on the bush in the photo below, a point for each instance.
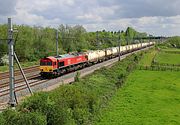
(76, 100)
(77, 77)
(172, 42)
(4, 60)
(41, 102)
(121, 79)
(13, 117)
(2, 120)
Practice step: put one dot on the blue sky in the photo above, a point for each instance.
(157, 17)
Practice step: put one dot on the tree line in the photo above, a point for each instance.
(33, 43)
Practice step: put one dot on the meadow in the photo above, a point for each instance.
(147, 97)
(168, 58)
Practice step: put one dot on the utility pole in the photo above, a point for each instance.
(97, 37)
(149, 41)
(12, 55)
(57, 50)
(127, 47)
(12, 100)
(119, 44)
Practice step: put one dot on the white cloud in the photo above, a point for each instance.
(160, 17)
(167, 26)
(90, 17)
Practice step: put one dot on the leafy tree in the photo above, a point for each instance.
(36, 42)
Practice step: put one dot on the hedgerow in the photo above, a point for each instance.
(13, 117)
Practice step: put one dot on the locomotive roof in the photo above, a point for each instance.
(54, 58)
(63, 56)
(68, 55)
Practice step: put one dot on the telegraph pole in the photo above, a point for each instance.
(12, 100)
(57, 50)
(97, 37)
(119, 44)
(127, 47)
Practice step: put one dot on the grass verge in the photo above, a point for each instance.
(148, 58)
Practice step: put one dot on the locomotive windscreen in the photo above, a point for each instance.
(60, 64)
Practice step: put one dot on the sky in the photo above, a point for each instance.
(156, 17)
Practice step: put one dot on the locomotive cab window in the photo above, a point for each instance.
(46, 63)
(42, 63)
(60, 64)
(49, 63)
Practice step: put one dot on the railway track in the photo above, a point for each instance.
(5, 75)
(23, 86)
(37, 83)
(6, 84)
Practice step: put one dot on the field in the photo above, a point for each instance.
(148, 98)
(168, 58)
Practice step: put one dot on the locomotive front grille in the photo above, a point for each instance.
(46, 68)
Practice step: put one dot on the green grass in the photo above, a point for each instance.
(169, 58)
(24, 64)
(171, 49)
(148, 57)
(148, 98)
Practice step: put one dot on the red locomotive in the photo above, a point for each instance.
(56, 65)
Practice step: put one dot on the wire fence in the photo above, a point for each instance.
(172, 52)
(159, 68)
(154, 63)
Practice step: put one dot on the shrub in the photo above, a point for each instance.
(4, 60)
(77, 77)
(41, 102)
(2, 120)
(75, 100)
(13, 117)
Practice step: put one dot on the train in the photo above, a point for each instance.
(53, 66)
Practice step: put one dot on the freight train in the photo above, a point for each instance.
(53, 66)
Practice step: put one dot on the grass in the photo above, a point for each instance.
(24, 64)
(148, 98)
(168, 58)
(147, 58)
(171, 49)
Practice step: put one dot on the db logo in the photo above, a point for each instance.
(69, 61)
